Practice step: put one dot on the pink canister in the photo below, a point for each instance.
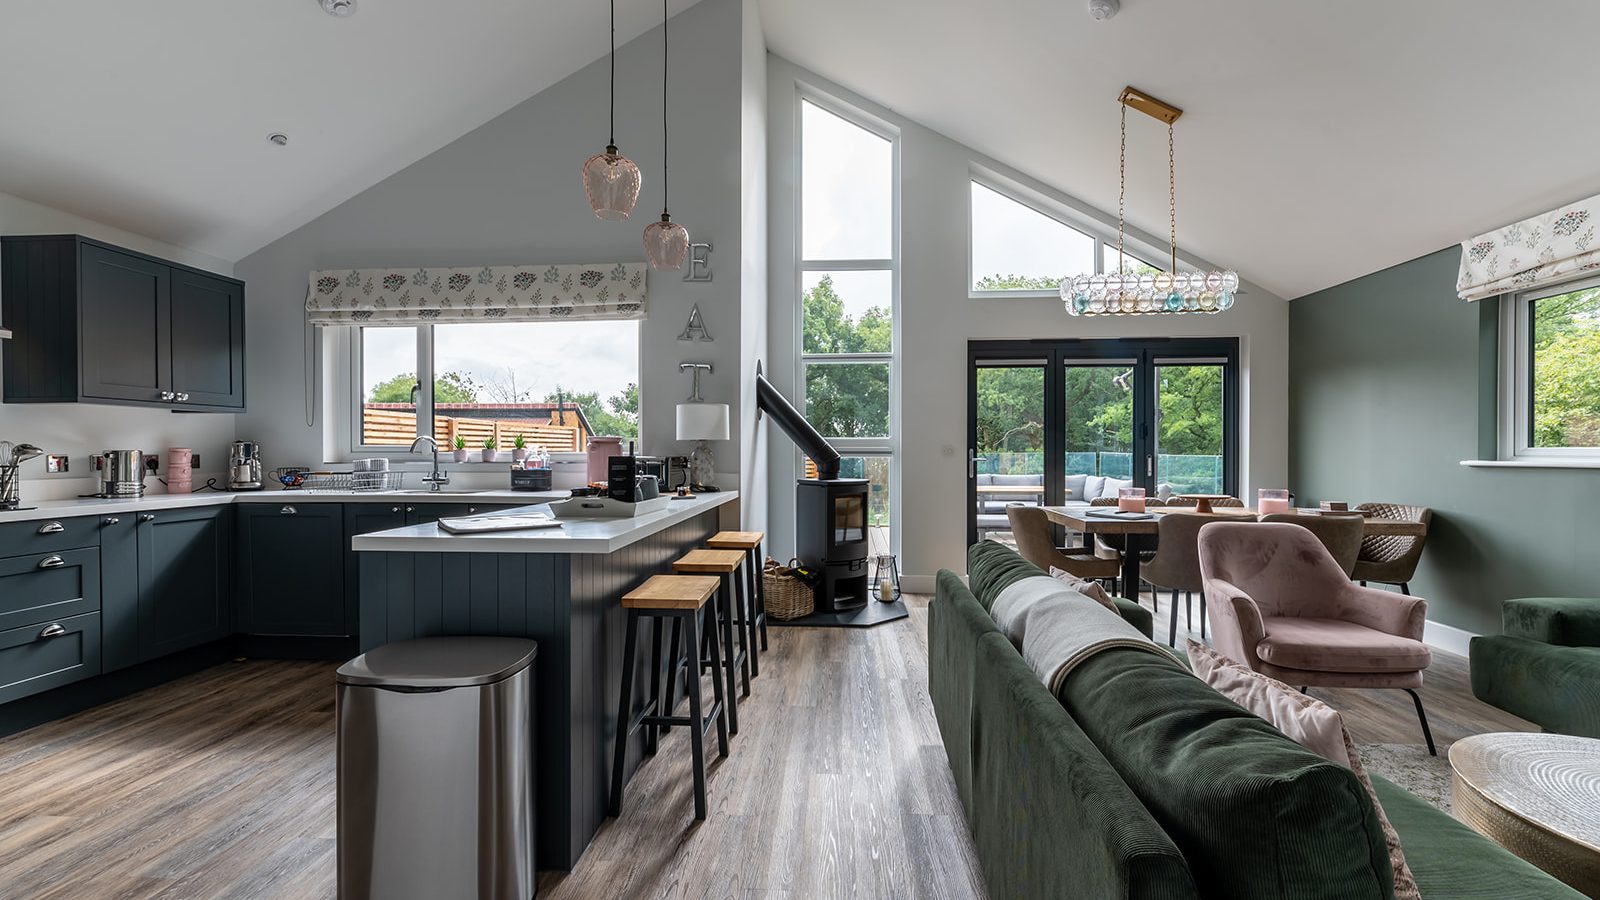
(179, 470)
(601, 449)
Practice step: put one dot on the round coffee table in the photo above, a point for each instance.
(1537, 795)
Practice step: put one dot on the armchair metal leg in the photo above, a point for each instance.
(1423, 718)
(1405, 588)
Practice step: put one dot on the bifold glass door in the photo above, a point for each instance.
(1053, 422)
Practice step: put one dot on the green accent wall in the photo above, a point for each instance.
(1392, 383)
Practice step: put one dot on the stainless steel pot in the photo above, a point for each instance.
(120, 473)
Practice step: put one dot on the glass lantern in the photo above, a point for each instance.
(886, 584)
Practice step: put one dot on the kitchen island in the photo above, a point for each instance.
(559, 586)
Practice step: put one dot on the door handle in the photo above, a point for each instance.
(972, 463)
(168, 396)
(52, 562)
(52, 528)
(147, 517)
(472, 509)
(411, 509)
(183, 398)
(54, 629)
(394, 509)
(288, 511)
(110, 520)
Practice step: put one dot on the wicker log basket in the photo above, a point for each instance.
(788, 595)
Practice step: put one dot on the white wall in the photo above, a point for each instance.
(937, 319)
(509, 192)
(753, 262)
(80, 430)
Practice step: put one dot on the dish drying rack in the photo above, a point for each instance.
(352, 482)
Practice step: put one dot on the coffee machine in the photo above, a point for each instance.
(244, 466)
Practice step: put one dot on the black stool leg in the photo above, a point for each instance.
(697, 739)
(728, 630)
(720, 667)
(675, 661)
(630, 643)
(760, 581)
(658, 628)
(741, 623)
(747, 603)
(716, 696)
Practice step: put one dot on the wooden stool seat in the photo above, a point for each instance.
(710, 562)
(672, 592)
(735, 540)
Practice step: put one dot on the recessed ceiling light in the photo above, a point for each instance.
(279, 138)
(339, 8)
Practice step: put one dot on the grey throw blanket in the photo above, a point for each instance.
(1056, 628)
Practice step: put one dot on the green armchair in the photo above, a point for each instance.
(1546, 666)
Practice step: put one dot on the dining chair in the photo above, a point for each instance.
(1227, 503)
(1341, 535)
(1032, 531)
(1176, 566)
(1281, 605)
(1392, 558)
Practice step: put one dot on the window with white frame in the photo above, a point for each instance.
(848, 288)
(553, 384)
(1550, 373)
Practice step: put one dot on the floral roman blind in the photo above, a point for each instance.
(476, 294)
(1542, 250)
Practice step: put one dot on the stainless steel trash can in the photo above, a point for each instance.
(435, 771)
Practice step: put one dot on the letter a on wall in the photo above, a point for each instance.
(695, 328)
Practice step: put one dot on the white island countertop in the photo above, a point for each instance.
(575, 535)
(43, 510)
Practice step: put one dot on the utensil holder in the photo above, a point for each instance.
(10, 486)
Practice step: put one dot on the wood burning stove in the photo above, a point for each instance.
(831, 518)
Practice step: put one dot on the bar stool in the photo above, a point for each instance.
(725, 565)
(754, 613)
(680, 599)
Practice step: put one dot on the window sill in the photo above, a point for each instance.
(1014, 295)
(1531, 463)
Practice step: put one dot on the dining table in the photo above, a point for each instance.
(1138, 532)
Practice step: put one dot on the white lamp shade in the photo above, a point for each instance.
(702, 421)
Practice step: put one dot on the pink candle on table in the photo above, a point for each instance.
(1130, 499)
(1272, 502)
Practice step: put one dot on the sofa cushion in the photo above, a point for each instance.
(992, 567)
(1567, 621)
(1334, 645)
(1050, 816)
(1113, 485)
(1556, 687)
(1255, 814)
(1452, 862)
(1037, 480)
(1093, 485)
(1075, 487)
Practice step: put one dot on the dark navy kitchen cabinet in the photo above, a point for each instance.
(165, 581)
(291, 570)
(94, 323)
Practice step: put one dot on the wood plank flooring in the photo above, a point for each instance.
(222, 785)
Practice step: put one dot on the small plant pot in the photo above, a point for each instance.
(490, 456)
(460, 455)
(519, 454)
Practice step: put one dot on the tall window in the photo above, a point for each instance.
(554, 384)
(1553, 373)
(849, 280)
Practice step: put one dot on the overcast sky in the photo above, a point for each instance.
(579, 356)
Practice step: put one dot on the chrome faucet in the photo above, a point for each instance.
(435, 479)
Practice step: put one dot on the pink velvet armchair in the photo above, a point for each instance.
(1281, 605)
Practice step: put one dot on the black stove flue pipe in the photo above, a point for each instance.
(811, 443)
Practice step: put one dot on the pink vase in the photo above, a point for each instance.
(601, 449)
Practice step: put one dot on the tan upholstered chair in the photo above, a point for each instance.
(1227, 502)
(1031, 528)
(1392, 558)
(1340, 534)
(1176, 565)
(1281, 605)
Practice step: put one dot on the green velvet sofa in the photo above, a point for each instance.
(1138, 781)
(1545, 666)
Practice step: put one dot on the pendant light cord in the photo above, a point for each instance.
(1122, 185)
(613, 140)
(663, 107)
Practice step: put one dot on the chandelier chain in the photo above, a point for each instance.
(1122, 184)
(1172, 200)
(612, 141)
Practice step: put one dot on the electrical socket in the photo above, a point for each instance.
(194, 461)
(152, 462)
(56, 464)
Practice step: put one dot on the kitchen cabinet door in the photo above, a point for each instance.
(183, 579)
(123, 325)
(365, 518)
(207, 355)
(291, 569)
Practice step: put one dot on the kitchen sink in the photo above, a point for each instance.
(454, 492)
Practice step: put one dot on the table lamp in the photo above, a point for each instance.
(701, 422)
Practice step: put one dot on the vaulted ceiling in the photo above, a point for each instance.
(153, 115)
(1320, 141)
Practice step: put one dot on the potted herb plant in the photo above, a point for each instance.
(519, 448)
(489, 452)
(460, 449)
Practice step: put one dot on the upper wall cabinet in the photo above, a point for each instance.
(93, 323)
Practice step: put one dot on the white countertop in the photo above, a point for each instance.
(96, 506)
(576, 535)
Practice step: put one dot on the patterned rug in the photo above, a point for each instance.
(1410, 766)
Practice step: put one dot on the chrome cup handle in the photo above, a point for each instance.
(52, 562)
(54, 629)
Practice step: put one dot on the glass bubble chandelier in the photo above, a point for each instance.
(1131, 293)
(610, 179)
(666, 242)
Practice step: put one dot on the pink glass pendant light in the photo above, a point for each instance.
(610, 179)
(666, 242)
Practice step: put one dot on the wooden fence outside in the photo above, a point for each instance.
(391, 427)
